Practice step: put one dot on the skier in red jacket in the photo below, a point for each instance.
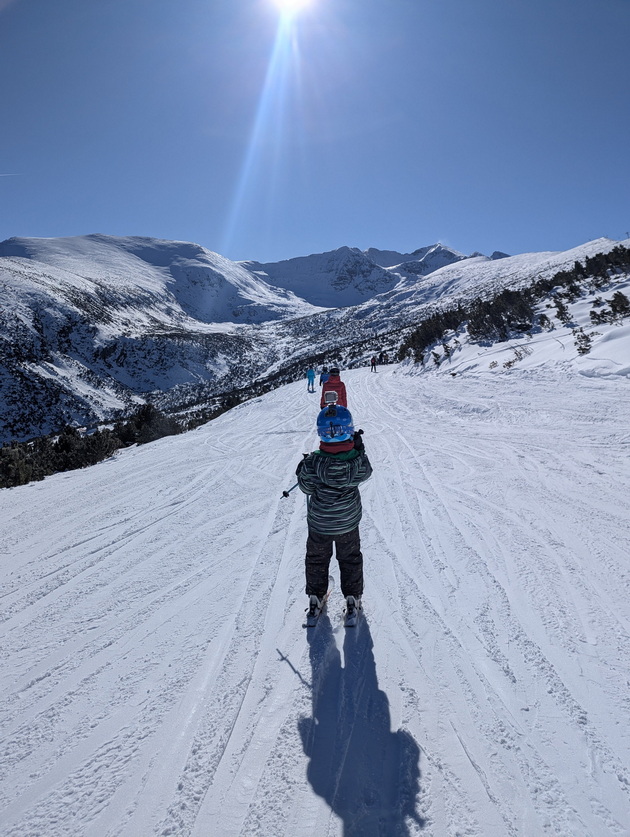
(334, 384)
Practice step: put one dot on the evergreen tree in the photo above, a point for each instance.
(562, 310)
(583, 341)
(620, 304)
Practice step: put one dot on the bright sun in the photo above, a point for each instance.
(291, 6)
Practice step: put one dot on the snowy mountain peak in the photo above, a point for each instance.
(184, 280)
(431, 257)
(339, 278)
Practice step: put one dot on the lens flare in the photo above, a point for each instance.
(264, 162)
(291, 7)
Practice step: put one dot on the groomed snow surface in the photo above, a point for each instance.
(157, 680)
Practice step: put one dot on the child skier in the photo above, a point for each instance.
(330, 477)
(334, 384)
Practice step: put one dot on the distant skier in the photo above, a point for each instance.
(310, 377)
(334, 384)
(373, 364)
(324, 376)
(330, 477)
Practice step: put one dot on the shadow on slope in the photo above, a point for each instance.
(368, 775)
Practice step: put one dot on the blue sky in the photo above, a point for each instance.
(493, 124)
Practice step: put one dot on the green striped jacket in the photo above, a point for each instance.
(331, 480)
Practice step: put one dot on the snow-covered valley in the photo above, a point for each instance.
(93, 326)
(157, 679)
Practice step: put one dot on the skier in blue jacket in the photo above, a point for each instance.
(310, 376)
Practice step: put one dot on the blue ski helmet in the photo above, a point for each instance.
(334, 424)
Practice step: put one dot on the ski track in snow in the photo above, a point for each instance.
(157, 679)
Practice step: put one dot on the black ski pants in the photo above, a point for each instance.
(319, 550)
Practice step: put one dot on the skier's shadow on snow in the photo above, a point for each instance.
(368, 775)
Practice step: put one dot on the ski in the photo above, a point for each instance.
(352, 612)
(311, 618)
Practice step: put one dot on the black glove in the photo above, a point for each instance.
(358, 441)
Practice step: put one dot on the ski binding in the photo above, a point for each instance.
(352, 612)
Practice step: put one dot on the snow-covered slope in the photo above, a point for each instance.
(348, 276)
(146, 281)
(337, 279)
(157, 680)
(95, 324)
(91, 324)
(464, 280)
(556, 345)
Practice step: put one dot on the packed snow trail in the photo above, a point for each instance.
(157, 680)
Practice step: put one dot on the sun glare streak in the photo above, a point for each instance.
(289, 8)
(270, 119)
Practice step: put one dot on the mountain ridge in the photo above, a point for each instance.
(348, 276)
(93, 325)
